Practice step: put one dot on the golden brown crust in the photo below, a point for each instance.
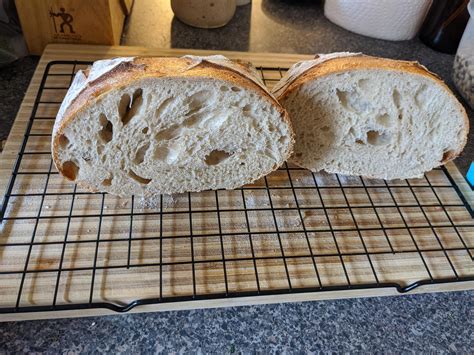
(364, 62)
(155, 67)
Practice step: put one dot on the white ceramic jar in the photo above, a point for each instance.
(204, 13)
(463, 70)
(394, 20)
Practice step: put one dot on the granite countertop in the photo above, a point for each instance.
(429, 322)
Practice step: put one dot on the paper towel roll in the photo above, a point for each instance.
(394, 20)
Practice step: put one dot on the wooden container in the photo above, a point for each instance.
(71, 21)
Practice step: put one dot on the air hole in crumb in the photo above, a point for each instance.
(343, 98)
(235, 89)
(198, 99)
(421, 96)
(247, 108)
(169, 133)
(63, 141)
(378, 138)
(70, 170)
(359, 141)
(447, 155)
(128, 107)
(107, 131)
(163, 106)
(224, 88)
(364, 84)
(384, 120)
(216, 157)
(193, 110)
(161, 153)
(138, 178)
(145, 130)
(396, 98)
(141, 152)
(88, 142)
(107, 182)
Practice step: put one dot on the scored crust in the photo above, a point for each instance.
(365, 62)
(128, 72)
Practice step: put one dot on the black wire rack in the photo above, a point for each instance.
(293, 231)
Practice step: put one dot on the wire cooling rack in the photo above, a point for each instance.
(293, 231)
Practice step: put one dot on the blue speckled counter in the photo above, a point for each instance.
(431, 323)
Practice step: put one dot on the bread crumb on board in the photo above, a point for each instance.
(153, 203)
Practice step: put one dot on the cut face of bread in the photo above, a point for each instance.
(378, 118)
(157, 126)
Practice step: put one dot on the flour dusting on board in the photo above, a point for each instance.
(154, 202)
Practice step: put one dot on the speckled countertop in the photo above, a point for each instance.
(418, 323)
(432, 322)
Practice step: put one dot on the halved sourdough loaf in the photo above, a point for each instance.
(147, 126)
(360, 115)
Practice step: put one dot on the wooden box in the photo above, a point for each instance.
(71, 21)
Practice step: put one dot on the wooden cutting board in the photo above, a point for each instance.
(293, 236)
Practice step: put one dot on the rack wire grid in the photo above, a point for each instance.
(293, 231)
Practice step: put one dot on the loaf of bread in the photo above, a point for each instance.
(148, 126)
(360, 115)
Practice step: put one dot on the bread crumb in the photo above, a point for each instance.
(297, 222)
(169, 201)
(252, 200)
(148, 203)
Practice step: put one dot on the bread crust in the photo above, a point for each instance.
(139, 68)
(365, 62)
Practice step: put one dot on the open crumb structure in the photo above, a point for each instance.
(294, 231)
